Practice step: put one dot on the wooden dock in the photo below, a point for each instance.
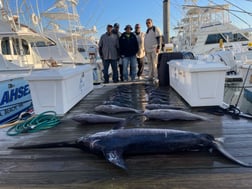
(71, 168)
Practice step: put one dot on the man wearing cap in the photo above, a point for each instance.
(152, 45)
(128, 49)
(108, 50)
(140, 54)
(119, 61)
(116, 30)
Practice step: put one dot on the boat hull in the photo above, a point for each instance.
(15, 98)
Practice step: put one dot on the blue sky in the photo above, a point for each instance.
(103, 12)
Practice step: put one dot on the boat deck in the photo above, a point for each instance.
(72, 168)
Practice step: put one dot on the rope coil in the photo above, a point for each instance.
(43, 121)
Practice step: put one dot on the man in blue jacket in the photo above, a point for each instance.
(128, 49)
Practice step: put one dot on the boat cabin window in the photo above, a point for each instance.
(5, 45)
(15, 44)
(17, 48)
(80, 49)
(215, 38)
(25, 46)
(239, 37)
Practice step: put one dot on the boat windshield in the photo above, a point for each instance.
(226, 37)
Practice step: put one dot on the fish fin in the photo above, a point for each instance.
(123, 124)
(220, 140)
(118, 126)
(115, 157)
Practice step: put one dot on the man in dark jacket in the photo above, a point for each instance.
(128, 49)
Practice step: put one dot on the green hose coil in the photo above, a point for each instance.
(43, 121)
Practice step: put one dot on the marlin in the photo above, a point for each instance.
(114, 145)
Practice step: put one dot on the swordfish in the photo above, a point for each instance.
(115, 144)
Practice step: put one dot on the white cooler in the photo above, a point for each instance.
(200, 83)
(59, 89)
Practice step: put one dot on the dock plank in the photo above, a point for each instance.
(72, 168)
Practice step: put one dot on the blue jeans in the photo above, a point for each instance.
(132, 61)
(106, 64)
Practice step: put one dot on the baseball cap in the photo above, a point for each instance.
(116, 25)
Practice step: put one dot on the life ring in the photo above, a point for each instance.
(35, 19)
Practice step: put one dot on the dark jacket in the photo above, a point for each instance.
(128, 44)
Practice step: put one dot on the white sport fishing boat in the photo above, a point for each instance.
(204, 27)
(17, 59)
(19, 42)
(21, 59)
(62, 23)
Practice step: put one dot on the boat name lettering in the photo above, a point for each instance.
(11, 109)
(14, 94)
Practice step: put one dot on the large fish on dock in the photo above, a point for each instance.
(113, 109)
(95, 118)
(114, 144)
(171, 114)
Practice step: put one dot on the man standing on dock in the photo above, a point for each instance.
(141, 53)
(108, 50)
(152, 45)
(128, 49)
(119, 60)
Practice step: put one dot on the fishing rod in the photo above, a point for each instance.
(219, 8)
(226, 9)
(243, 11)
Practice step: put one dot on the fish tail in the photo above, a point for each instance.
(217, 145)
(138, 114)
(124, 123)
(48, 145)
(139, 111)
(203, 118)
(200, 117)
